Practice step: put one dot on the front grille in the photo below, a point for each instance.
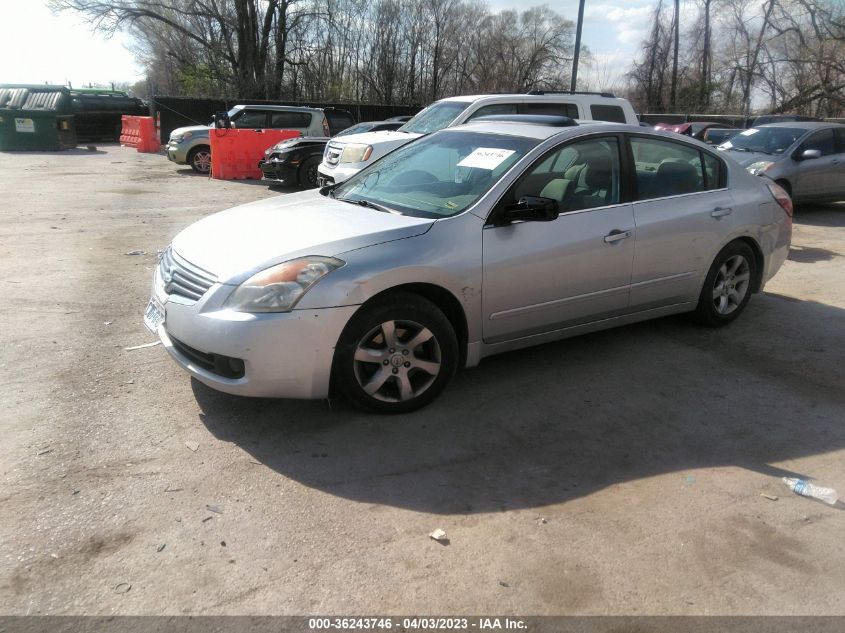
(333, 152)
(183, 278)
(224, 366)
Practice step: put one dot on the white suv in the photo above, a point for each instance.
(348, 155)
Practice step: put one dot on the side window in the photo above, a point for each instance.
(289, 120)
(665, 168)
(581, 175)
(251, 119)
(611, 113)
(839, 133)
(495, 108)
(822, 141)
(714, 172)
(554, 109)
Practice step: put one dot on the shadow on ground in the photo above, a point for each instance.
(559, 421)
(831, 214)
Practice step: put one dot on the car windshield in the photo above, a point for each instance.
(436, 177)
(435, 117)
(234, 111)
(356, 129)
(768, 140)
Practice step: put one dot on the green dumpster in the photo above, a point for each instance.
(36, 118)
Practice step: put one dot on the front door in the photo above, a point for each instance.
(543, 276)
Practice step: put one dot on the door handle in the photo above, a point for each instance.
(719, 212)
(616, 235)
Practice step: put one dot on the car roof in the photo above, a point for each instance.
(801, 125)
(542, 132)
(547, 96)
(277, 108)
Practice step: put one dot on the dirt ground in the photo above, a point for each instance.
(616, 473)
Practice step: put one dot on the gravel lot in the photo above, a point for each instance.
(619, 472)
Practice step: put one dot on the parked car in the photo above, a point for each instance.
(695, 129)
(347, 156)
(294, 161)
(807, 159)
(189, 145)
(474, 240)
(718, 135)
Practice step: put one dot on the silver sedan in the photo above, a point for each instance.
(806, 158)
(475, 240)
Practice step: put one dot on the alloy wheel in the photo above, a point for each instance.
(397, 361)
(731, 284)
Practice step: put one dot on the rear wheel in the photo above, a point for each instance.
(396, 355)
(199, 159)
(308, 173)
(727, 288)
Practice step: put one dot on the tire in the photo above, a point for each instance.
(728, 285)
(308, 173)
(379, 367)
(199, 158)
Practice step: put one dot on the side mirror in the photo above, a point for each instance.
(809, 154)
(531, 209)
(221, 120)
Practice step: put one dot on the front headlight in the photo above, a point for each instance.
(356, 153)
(759, 167)
(280, 287)
(176, 138)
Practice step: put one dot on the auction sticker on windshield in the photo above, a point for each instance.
(486, 158)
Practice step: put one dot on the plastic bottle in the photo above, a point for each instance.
(801, 487)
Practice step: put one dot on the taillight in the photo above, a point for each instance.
(781, 197)
(326, 130)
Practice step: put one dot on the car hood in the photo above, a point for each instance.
(238, 242)
(384, 137)
(747, 158)
(193, 129)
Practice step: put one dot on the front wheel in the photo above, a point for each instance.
(727, 287)
(308, 173)
(199, 159)
(396, 355)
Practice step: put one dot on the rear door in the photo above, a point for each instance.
(682, 209)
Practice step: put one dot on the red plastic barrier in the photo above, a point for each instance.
(139, 132)
(235, 153)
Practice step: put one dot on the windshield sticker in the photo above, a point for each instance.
(749, 132)
(486, 158)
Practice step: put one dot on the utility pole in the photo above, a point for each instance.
(577, 45)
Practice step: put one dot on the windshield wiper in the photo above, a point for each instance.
(369, 205)
(740, 149)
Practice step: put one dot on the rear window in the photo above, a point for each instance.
(612, 113)
(289, 120)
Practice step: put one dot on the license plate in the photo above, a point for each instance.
(153, 315)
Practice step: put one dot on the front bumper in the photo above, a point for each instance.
(176, 154)
(285, 355)
(330, 175)
(279, 172)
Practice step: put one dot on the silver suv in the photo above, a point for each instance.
(189, 145)
(350, 154)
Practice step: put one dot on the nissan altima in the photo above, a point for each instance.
(472, 241)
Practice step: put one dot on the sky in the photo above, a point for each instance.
(39, 47)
